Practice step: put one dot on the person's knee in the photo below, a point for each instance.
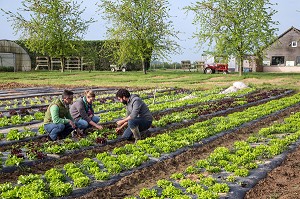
(47, 128)
(60, 127)
(132, 124)
(82, 124)
(96, 119)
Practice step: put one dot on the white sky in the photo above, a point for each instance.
(287, 16)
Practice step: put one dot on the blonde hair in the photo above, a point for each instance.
(89, 93)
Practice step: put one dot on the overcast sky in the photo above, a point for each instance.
(287, 16)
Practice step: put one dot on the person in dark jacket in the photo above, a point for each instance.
(58, 122)
(138, 117)
(83, 113)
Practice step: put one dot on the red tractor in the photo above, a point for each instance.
(213, 68)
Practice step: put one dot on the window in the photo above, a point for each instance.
(298, 61)
(277, 60)
(294, 43)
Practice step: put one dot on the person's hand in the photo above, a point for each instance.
(118, 129)
(99, 127)
(120, 122)
(72, 124)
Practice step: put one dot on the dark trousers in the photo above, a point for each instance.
(141, 123)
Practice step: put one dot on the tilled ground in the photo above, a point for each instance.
(147, 177)
(77, 156)
(281, 183)
(41, 167)
(12, 85)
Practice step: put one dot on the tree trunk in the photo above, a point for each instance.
(144, 66)
(62, 64)
(241, 66)
(147, 58)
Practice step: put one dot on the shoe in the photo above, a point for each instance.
(136, 134)
(49, 138)
(145, 134)
(88, 130)
(73, 133)
(79, 132)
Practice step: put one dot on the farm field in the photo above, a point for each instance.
(203, 144)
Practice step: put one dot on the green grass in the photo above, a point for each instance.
(158, 78)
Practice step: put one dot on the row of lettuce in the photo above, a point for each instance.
(107, 165)
(23, 105)
(15, 134)
(107, 105)
(33, 151)
(202, 180)
(111, 115)
(111, 110)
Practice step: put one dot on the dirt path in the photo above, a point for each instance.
(281, 183)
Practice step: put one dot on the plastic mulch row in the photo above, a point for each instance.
(152, 130)
(241, 191)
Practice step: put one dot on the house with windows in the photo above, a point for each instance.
(283, 55)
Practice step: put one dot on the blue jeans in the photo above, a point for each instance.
(141, 123)
(83, 124)
(55, 130)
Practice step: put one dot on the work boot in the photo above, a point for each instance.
(79, 133)
(145, 134)
(136, 133)
(49, 138)
(73, 133)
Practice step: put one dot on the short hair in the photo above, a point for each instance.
(89, 93)
(123, 93)
(67, 93)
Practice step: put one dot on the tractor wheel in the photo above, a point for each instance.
(113, 69)
(123, 69)
(208, 71)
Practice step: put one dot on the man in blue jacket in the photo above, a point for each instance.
(138, 116)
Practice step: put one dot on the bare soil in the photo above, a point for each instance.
(12, 85)
(281, 183)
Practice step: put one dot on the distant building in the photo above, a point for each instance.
(283, 55)
(14, 56)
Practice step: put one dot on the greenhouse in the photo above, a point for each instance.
(13, 57)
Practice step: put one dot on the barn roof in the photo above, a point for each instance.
(288, 30)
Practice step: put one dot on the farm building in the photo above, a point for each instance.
(283, 55)
(13, 56)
